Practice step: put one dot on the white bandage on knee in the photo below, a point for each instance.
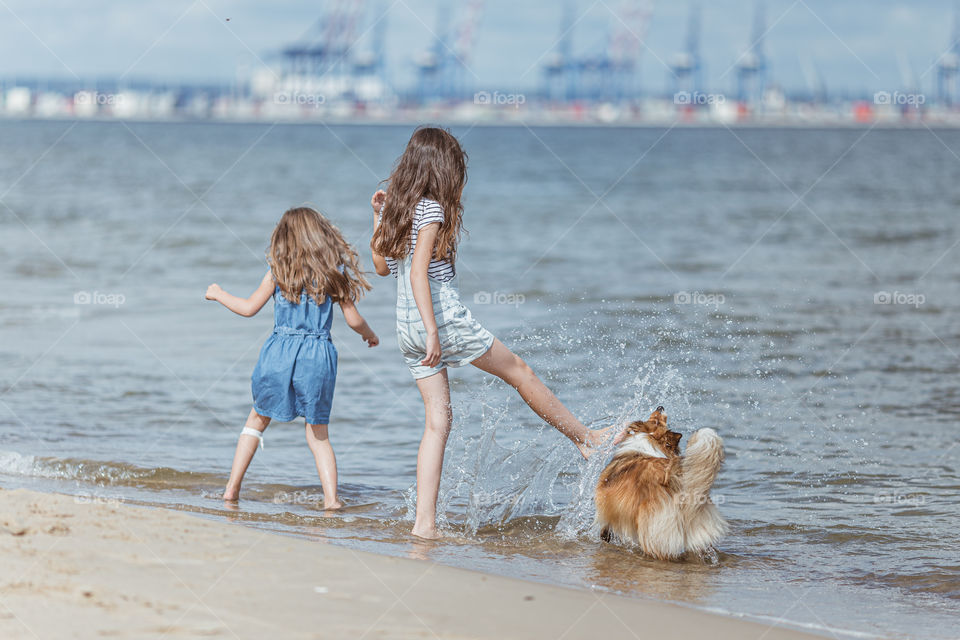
(248, 431)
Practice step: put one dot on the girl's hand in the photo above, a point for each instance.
(377, 202)
(213, 291)
(371, 339)
(245, 307)
(433, 350)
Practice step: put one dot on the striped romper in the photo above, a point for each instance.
(462, 338)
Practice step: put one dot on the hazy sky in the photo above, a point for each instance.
(857, 45)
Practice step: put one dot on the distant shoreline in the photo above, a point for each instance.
(535, 123)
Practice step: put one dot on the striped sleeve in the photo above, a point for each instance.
(427, 213)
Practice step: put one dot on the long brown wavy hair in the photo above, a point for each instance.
(434, 166)
(308, 254)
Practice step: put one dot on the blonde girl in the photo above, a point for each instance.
(311, 267)
(417, 224)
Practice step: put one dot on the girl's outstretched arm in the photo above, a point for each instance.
(356, 322)
(245, 307)
(420, 283)
(379, 263)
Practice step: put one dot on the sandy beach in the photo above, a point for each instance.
(73, 567)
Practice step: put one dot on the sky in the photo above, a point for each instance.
(856, 46)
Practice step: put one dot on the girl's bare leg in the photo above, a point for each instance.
(246, 447)
(435, 391)
(319, 442)
(511, 368)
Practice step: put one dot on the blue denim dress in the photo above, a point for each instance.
(297, 369)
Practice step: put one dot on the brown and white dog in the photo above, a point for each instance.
(660, 501)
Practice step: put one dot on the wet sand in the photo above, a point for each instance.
(79, 568)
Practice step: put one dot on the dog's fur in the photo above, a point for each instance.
(651, 496)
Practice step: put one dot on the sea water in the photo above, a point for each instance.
(796, 290)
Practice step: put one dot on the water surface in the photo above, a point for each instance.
(729, 275)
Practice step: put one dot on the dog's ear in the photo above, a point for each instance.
(668, 440)
(674, 439)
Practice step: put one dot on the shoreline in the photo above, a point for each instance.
(109, 568)
(538, 123)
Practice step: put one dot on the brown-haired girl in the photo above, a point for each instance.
(417, 224)
(311, 267)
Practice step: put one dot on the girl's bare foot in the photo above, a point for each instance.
(336, 504)
(621, 432)
(427, 533)
(595, 439)
(231, 495)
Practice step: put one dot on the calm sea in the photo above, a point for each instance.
(797, 290)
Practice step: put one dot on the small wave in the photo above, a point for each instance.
(881, 238)
(206, 486)
(99, 472)
(779, 621)
(940, 580)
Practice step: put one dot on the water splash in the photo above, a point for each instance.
(497, 471)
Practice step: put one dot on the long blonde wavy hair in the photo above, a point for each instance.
(308, 254)
(434, 166)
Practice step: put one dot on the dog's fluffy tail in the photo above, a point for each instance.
(701, 461)
(703, 524)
